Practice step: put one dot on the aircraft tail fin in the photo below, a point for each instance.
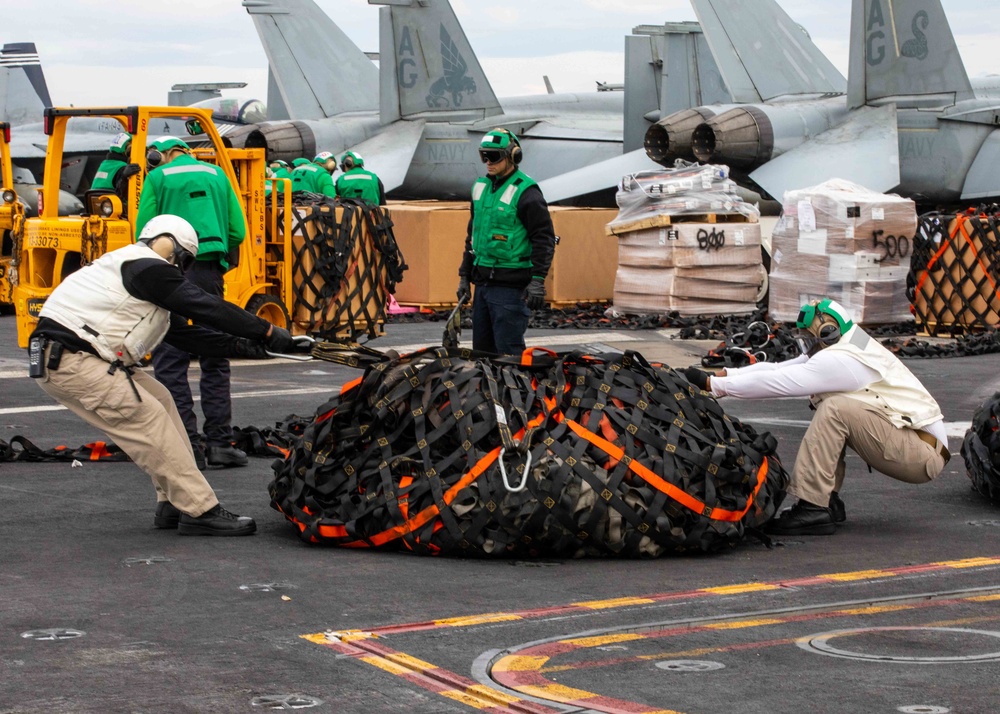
(427, 64)
(316, 70)
(762, 53)
(23, 91)
(904, 53)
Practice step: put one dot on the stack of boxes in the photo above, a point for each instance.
(842, 241)
(686, 243)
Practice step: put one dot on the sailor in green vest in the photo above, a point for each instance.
(115, 171)
(314, 176)
(358, 182)
(508, 249)
(200, 193)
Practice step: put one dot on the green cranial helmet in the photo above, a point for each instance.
(279, 162)
(351, 160)
(301, 161)
(121, 144)
(324, 156)
(166, 143)
(501, 140)
(822, 323)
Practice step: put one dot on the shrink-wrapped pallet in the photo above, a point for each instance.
(686, 243)
(842, 241)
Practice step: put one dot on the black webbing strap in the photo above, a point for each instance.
(626, 458)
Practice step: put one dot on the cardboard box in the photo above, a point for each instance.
(689, 291)
(692, 244)
(431, 235)
(583, 267)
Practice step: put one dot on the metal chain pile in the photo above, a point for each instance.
(451, 452)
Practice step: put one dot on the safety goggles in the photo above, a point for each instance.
(491, 156)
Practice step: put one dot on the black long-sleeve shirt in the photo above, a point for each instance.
(533, 212)
(164, 285)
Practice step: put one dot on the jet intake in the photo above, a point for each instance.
(286, 140)
(741, 138)
(670, 138)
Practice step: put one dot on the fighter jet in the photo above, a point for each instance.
(909, 119)
(417, 118)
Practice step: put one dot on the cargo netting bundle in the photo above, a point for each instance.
(345, 264)
(981, 449)
(954, 273)
(452, 452)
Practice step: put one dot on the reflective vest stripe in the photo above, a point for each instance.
(171, 170)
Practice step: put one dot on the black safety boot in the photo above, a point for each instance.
(220, 457)
(216, 522)
(837, 509)
(167, 515)
(803, 518)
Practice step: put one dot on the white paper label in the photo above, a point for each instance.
(849, 232)
(706, 181)
(738, 238)
(671, 188)
(807, 217)
(663, 236)
(812, 242)
(776, 258)
(878, 214)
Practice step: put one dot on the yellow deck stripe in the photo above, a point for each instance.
(602, 640)
(858, 575)
(968, 562)
(873, 610)
(743, 623)
(617, 602)
(744, 588)
(477, 619)
(518, 663)
(555, 692)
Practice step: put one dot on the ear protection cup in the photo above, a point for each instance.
(829, 334)
(515, 153)
(347, 164)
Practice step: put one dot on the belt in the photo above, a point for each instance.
(938, 446)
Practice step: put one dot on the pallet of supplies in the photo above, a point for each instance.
(843, 241)
(686, 244)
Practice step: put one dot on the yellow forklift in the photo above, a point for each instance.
(11, 219)
(54, 246)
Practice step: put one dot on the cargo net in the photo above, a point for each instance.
(954, 273)
(345, 264)
(452, 452)
(981, 449)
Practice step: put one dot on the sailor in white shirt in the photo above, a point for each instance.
(864, 397)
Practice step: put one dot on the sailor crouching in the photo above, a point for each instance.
(99, 324)
(865, 398)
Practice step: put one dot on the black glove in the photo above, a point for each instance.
(128, 171)
(233, 257)
(249, 349)
(697, 377)
(280, 340)
(464, 291)
(534, 294)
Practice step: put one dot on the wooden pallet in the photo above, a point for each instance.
(663, 220)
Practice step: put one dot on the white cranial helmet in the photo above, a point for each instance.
(175, 226)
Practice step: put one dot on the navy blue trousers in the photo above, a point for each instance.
(170, 367)
(499, 320)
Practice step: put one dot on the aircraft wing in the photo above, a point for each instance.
(390, 152)
(863, 149)
(596, 177)
(762, 53)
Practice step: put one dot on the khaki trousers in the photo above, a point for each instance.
(841, 421)
(149, 431)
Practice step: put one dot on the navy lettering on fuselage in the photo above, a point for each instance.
(447, 152)
(875, 41)
(406, 73)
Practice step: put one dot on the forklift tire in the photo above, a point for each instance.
(271, 309)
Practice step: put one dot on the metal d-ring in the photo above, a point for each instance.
(524, 476)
